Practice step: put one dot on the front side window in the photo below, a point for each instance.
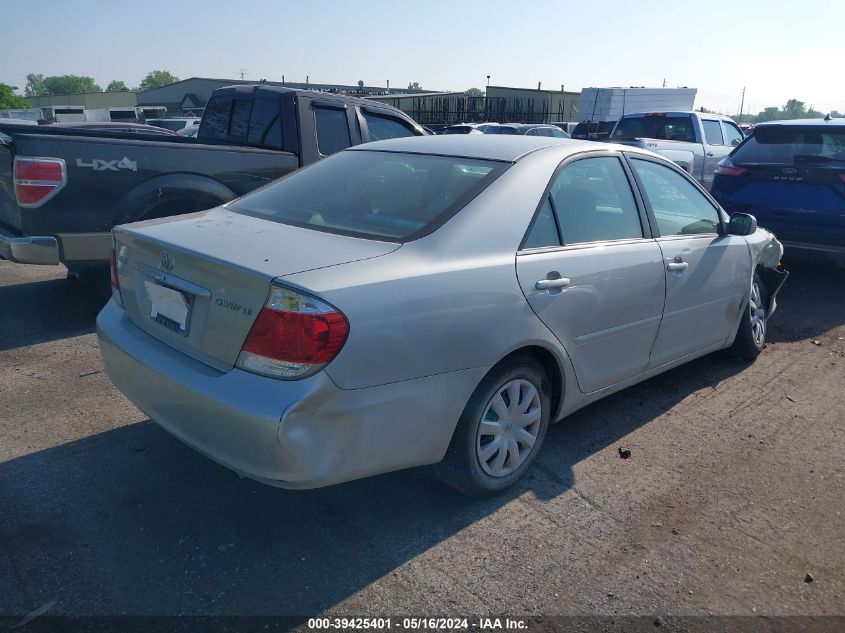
(594, 202)
(713, 132)
(215, 119)
(376, 195)
(678, 206)
(332, 130)
(384, 127)
(733, 135)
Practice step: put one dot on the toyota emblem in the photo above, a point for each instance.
(789, 170)
(167, 261)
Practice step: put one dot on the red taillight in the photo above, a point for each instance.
(293, 336)
(727, 168)
(38, 179)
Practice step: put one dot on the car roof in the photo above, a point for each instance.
(815, 122)
(482, 146)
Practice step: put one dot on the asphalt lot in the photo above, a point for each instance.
(733, 493)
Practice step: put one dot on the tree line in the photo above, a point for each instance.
(38, 85)
(792, 109)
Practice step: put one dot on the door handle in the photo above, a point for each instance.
(677, 266)
(546, 284)
(710, 154)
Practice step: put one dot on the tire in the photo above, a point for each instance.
(481, 460)
(751, 334)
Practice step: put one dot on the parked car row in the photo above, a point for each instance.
(527, 129)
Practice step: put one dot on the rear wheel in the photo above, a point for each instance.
(500, 430)
(751, 334)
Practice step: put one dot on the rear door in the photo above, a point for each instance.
(590, 270)
(708, 275)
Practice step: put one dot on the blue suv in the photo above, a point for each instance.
(791, 176)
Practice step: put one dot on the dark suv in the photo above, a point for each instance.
(791, 176)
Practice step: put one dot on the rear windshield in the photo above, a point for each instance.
(377, 195)
(668, 128)
(787, 145)
(458, 129)
(500, 129)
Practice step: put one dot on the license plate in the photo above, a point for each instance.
(169, 307)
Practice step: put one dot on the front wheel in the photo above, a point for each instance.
(500, 430)
(751, 334)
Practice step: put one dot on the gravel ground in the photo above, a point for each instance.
(733, 494)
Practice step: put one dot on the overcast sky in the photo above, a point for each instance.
(778, 50)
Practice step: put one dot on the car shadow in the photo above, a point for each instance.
(49, 310)
(133, 521)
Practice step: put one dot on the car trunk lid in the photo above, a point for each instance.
(198, 281)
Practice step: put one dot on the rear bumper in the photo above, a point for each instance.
(49, 250)
(29, 249)
(292, 434)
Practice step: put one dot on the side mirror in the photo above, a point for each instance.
(736, 142)
(742, 224)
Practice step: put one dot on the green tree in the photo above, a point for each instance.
(9, 100)
(157, 79)
(474, 92)
(34, 85)
(414, 85)
(116, 84)
(69, 85)
(794, 109)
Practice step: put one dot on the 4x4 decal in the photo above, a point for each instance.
(98, 164)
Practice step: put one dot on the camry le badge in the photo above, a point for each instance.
(167, 261)
(789, 170)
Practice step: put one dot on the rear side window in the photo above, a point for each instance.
(594, 202)
(678, 206)
(377, 195)
(713, 132)
(384, 127)
(669, 128)
(265, 124)
(332, 130)
(544, 230)
(215, 119)
(789, 145)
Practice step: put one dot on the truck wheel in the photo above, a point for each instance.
(751, 334)
(500, 430)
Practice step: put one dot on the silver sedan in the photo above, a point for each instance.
(435, 300)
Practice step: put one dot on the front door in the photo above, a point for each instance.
(592, 274)
(707, 273)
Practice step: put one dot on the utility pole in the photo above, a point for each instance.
(664, 83)
(242, 71)
(742, 103)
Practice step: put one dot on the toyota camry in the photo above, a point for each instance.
(432, 300)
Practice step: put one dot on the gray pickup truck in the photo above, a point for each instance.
(62, 190)
(694, 140)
